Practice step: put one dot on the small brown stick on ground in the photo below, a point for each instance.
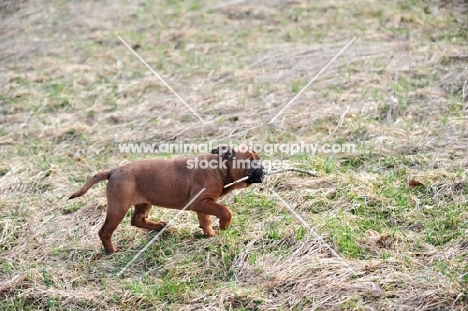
(9, 284)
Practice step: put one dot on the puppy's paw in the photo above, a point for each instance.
(112, 251)
(158, 226)
(210, 233)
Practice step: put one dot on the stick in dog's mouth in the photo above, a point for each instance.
(264, 173)
(310, 173)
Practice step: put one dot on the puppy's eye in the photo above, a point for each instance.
(251, 159)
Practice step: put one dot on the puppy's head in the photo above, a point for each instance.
(242, 162)
(224, 152)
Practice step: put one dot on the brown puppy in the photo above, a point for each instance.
(172, 184)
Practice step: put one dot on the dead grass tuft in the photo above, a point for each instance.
(71, 92)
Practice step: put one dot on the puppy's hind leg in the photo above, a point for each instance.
(117, 207)
(139, 218)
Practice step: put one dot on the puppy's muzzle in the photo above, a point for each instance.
(256, 173)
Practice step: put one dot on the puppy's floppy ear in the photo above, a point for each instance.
(224, 152)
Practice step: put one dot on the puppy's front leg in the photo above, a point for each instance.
(209, 207)
(205, 224)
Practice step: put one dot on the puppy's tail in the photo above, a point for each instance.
(93, 180)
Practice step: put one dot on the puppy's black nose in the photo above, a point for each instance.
(256, 175)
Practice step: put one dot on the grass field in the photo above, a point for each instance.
(71, 91)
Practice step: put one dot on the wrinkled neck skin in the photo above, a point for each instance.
(228, 175)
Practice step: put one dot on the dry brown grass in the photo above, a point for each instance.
(70, 91)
